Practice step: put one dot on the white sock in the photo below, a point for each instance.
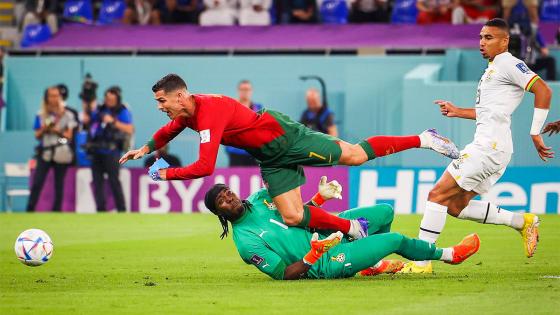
(447, 254)
(425, 140)
(488, 213)
(432, 224)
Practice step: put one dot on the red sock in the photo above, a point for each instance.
(321, 219)
(386, 145)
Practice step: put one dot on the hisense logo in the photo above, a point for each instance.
(409, 190)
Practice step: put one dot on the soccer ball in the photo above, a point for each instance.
(33, 247)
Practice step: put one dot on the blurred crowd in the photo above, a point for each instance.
(267, 12)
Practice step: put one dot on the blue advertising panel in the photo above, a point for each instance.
(530, 189)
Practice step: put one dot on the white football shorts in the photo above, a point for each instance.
(478, 167)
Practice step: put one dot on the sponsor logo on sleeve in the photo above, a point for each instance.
(522, 67)
(205, 136)
(257, 260)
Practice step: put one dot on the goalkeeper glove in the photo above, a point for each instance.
(319, 247)
(327, 191)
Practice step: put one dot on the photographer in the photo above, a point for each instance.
(109, 134)
(54, 127)
(88, 95)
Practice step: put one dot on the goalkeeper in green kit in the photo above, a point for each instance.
(289, 253)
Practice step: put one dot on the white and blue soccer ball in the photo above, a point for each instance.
(34, 247)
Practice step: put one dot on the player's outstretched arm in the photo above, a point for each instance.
(448, 109)
(300, 268)
(543, 95)
(552, 128)
(326, 191)
(134, 154)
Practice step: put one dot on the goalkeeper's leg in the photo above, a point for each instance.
(380, 217)
(369, 251)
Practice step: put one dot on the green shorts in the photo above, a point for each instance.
(282, 159)
(306, 147)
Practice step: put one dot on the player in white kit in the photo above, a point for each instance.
(483, 162)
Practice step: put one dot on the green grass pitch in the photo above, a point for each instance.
(176, 264)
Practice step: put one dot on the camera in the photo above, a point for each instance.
(89, 89)
(111, 139)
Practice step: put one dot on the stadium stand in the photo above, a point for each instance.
(111, 11)
(550, 11)
(78, 11)
(334, 12)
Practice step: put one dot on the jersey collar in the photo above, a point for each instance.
(502, 55)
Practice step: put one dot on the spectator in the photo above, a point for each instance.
(533, 51)
(532, 9)
(370, 11)
(435, 11)
(254, 12)
(163, 153)
(19, 11)
(240, 157)
(475, 11)
(176, 12)
(303, 11)
(41, 12)
(53, 128)
(218, 12)
(316, 116)
(63, 89)
(111, 127)
(528, 46)
(140, 12)
(543, 61)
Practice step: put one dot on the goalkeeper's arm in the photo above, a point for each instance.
(300, 268)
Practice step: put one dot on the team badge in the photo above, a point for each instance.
(339, 258)
(489, 75)
(522, 67)
(270, 205)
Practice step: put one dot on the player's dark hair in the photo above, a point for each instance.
(169, 83)
(244, 81)
(225, 226)
(499, 23)
(224, 221)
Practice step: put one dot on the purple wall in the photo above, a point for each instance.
(274, 37)
(144, 195)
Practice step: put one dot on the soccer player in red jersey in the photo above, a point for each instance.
(281, 146)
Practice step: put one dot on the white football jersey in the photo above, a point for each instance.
(500, 90)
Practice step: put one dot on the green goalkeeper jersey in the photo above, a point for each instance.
(262, 239)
